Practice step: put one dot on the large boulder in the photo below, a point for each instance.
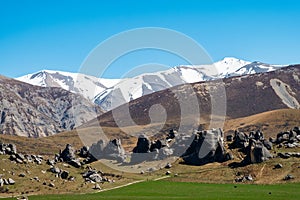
(143, 145)
(240, 140)
(206, 147)
(112, 150)
(256, 152)
(68, 155)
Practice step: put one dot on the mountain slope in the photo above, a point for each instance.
(246, 95)
(34, 111)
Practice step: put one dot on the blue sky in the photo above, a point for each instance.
(58, 35)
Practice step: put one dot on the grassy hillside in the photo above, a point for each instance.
(271, 123)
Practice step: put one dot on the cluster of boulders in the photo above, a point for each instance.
(207, 147)
(146, 150)
(59, 173)
(244, 178)
(8, 181)
(7, 149)
(288, 139)
(93, 176)
(254, 145)
(11, 149)
(289, 155)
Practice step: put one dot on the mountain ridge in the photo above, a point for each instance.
(109, 94)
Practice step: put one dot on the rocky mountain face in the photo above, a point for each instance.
(246, 95)
(111, 93)
(33, 111)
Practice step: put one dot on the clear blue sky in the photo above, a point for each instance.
(41, 34)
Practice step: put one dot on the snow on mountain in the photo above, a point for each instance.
(129, 89)
(88, 86)
(253, 68)
(110, 93)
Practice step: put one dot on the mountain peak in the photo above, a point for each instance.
(231, 60)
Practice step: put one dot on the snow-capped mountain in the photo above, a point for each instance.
(87, 86)
(110, 93)
(129, 89)
(254, 68)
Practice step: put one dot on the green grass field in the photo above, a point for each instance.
(183, 190)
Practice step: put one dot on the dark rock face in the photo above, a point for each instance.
(206, 147)
(240, 140)
(256, 152)
(84, 152)
(68, 156)
(68, 153)
(143, 145)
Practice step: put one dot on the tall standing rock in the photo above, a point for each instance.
(68, 155)
(206, 147)
(256, 152)
(143, 145)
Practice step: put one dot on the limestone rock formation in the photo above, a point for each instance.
(68, 156)
(206, 147)
(112, 150)
(256, 152)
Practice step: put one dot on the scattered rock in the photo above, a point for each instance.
(93, 176)
(22, 198)
(168, 166)
(22, 175)
(54, 170)
(11, 181)
(51, 185)
(97, 187)
(278, 166)
(168, 172)
(64, 174)
(288, 177)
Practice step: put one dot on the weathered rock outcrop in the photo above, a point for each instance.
(112, 150)
(256, 152)
(68, 156)
(206, 147)
(143, 145)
